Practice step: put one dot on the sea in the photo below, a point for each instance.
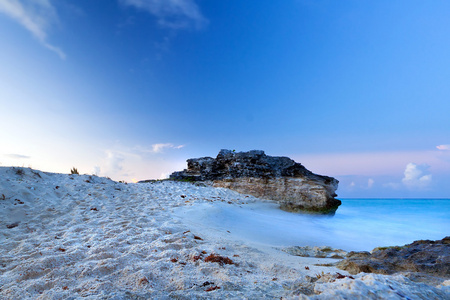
(357, 225)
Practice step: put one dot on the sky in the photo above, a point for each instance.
(130, 89)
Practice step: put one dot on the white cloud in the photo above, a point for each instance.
(165, 175)
(370, 183)
(114, 161)
(158, 148)
(96, 171)
(36, 16)
(443, 147)
(415, 176)
(175, 14)
(138, 163)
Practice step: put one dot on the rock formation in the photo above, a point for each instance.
(267, 177)
(425, 256)
(315, 251)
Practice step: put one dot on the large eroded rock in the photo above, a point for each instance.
(267, 177)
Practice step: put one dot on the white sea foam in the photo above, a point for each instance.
(83, 237)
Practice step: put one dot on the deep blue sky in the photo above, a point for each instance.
(132, 88)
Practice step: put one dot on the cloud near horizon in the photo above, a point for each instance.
(34, 15)
(18, 156)
(114, 161)
(443, 147)
(174, 14)
(415, 176)
(137, 163)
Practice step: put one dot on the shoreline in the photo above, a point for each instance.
(87, 237)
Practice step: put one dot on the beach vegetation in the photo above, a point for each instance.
(320, 275)
(185, 179)
(74, 171)
(19, 171)
(213, 288)
(221, 260)
(155, 180)
(36, 173)
(196, 257)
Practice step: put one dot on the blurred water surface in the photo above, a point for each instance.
(359, 224)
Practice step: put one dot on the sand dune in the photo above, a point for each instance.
(86, 237)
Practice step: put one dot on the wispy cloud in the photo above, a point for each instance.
(392, 185)
(416, 176)
(36, 16)
(174, 14)
(443, 147)
(17, 156)
(158, 148)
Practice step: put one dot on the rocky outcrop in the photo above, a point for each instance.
(267, 177)
(425, 256)
(315, 251)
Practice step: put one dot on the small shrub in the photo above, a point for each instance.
(320, 275)
(19, 172)
(74, 171)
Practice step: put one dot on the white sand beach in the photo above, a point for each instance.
(87, 237)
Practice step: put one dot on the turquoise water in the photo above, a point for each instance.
(392, 221)
(359, 224)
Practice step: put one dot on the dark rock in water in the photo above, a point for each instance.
(425, 256)
(267, 177)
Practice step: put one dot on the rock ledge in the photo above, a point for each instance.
(427, 257)
(267, 177)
